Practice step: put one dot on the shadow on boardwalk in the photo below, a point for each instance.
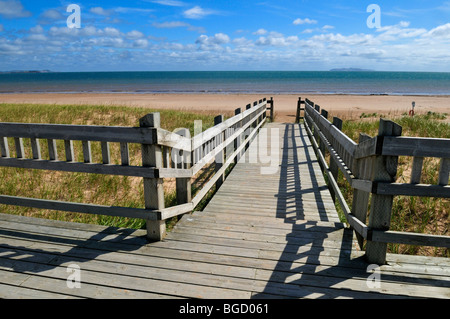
(317, 260)
(18, 253)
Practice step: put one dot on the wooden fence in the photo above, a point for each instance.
(164, 155)
(370, 167)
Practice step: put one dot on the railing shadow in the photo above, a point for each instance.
(61, 249)
(317, 259)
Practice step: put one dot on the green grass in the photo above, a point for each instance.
(82, 187)
(410, 214)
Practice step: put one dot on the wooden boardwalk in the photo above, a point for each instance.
(261, 236)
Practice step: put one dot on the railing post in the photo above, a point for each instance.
(238, 140)
(153, 187)
(384, 169)
(299, 109)
(183, 185)
(322, 146)
(360, 203)
(271, 108)
(337, 122)
(220, 156)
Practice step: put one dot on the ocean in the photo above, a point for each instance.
(229, 82)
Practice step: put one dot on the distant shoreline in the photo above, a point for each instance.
(284, 104)
(229, 93)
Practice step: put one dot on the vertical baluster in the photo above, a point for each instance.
(52, 150)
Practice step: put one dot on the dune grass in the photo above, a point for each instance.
(409, 214)
(82, 187)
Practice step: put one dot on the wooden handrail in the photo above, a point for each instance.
(157, 146)
(370, 167)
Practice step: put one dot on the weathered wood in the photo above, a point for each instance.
(238, 139)
(444, 171)
(153, 187)
(87, 153)
(424, 190)
(410, 238)
(416, 171)
(271, 116)
(80, 132)
(337, 122)
(80, 208)
(384, 170)
(183, 185)
(139, 171)
(68, 146)
(106, 156)
(220, 155)
(416, 146)
(35, 148)
(52, 150)
(20, 152)
(124, 154)
(4, 147)
(354, 222)
(360, 201)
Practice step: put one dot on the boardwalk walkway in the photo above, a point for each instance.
(261, 236)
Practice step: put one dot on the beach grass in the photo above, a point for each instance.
(82, 187)
(409, 213)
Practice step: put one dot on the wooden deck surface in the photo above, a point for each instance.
(261, 236)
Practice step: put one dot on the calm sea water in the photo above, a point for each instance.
(333, 82)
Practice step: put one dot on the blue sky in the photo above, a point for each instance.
(171, 35)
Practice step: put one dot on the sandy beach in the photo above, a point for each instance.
(284, 104)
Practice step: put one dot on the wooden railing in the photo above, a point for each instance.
(164, 155)
(370, 167)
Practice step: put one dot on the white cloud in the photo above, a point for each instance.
(52, 15)
(260, 32)
(178, 24)
(197, 12)
(171, 3)
(13, 9)
(218, 38)
(140, 43)
(135, 35)
(304, 21)
(132, 10)
(442, 31)
(102, 12)
(37, 29)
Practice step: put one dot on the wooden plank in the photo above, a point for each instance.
(416, 171)
(106, 157)
(87, 153)
(384, 170)
(410, 238)
(52, 150)
(444, 171)
(356, 224)
(124, 154)
(170, 139)
(416, 146)
(147, 214)
(4, 147)
(425, 190)
(360, 201)
(68, 146)
(95, 168)
(35, 148)
(153, 187)
(80, 132)
(20, 152)
(206, 188)
(219, 146)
